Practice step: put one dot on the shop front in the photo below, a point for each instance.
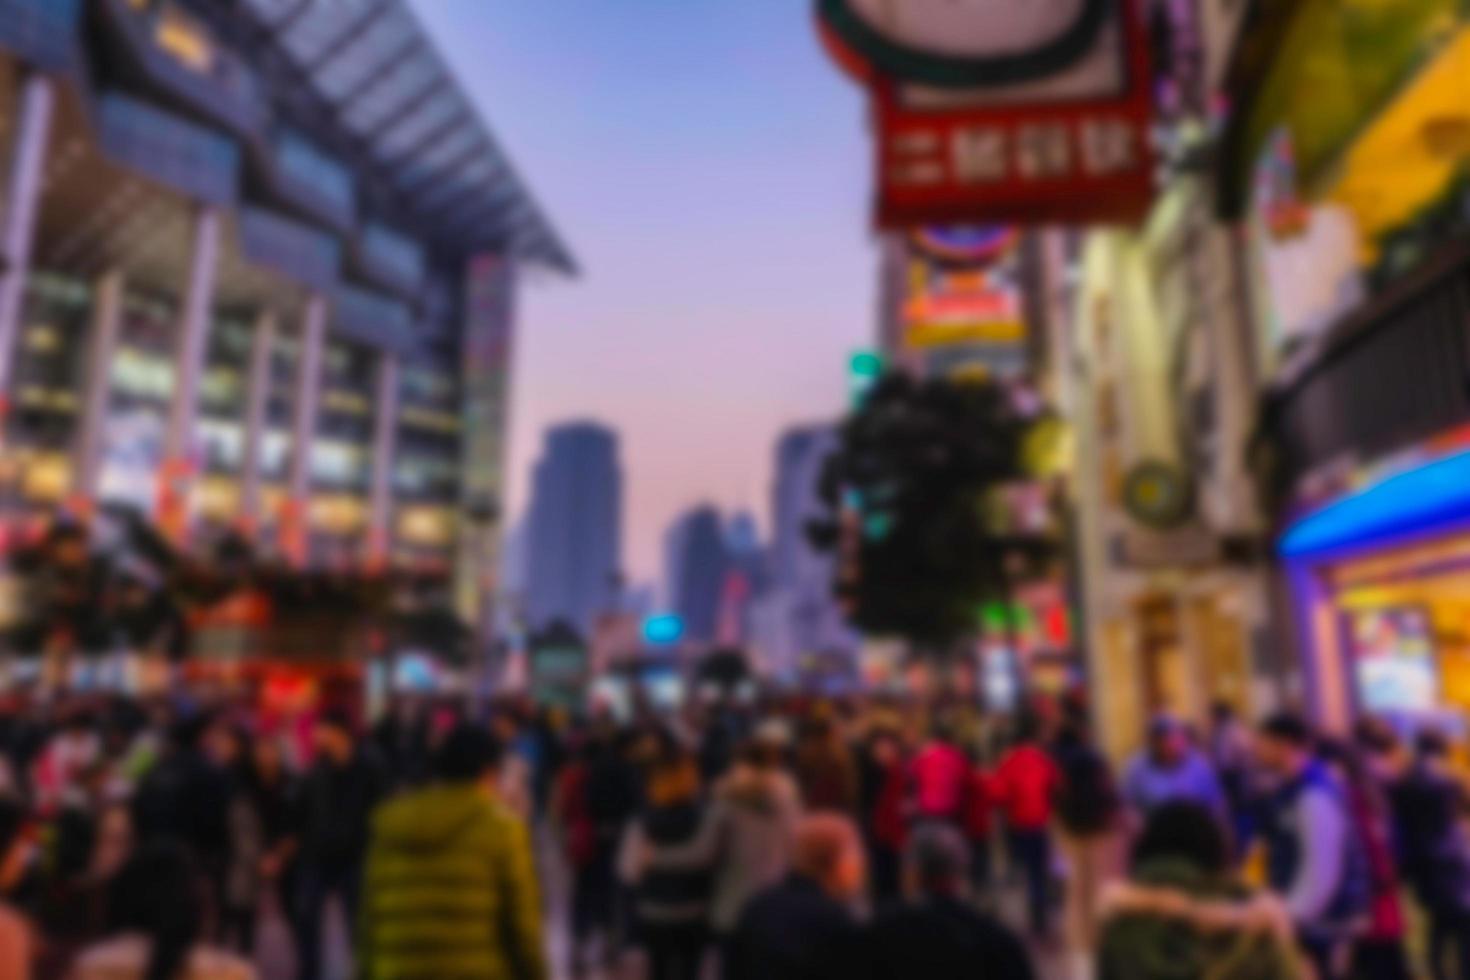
(1380, 579)
(1347, 160)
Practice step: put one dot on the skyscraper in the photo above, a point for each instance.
(698, 563)
(798, 614)
(576, 532)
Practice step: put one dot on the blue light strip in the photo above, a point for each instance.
(1420, 499)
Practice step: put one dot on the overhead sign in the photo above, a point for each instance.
(965, 45)
(1003, 111)
(971, 247)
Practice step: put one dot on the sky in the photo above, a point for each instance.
(709, 168)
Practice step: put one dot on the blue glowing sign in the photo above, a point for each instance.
(1421, 499)
(663, 630)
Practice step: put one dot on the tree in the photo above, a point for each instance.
(907, 507)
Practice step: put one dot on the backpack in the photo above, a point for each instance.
(1088, 800)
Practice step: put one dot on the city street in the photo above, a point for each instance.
(811, 489)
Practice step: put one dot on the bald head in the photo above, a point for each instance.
(829, 851)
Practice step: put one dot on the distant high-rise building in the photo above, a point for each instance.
(746, 580)
(798, 615)
(699, 562)
(575, 528)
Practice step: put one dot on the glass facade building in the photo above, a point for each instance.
(236, 250)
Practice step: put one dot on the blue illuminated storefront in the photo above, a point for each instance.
(1380, 583)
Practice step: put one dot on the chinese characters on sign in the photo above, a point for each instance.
(1081, 162)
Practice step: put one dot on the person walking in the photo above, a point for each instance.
(338, 795)
(1089, 817)
(937, 933)
(825, 769)
(1314, 859)
(1026, 783)
(158, 916)
(1169, 769)
(1180, 914)
(886, 816)
(667, 860)
(941, 773)
(1228, 748)
(449, 886)
(977, 821)
(756, 811)
(1430, 802)
(803, 928)
(1378, 952)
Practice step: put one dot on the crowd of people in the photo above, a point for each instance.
(791, 839)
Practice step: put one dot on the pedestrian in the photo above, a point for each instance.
(1181, 915)
(450, 885)
(1170, 769)
(572, 812)
(1378, 953)
(941, 774)
(977, 820)
(185, 797)
(803, 928)
(825, 769)
(259, 837)
(17, 947)
(1430, 803)
(338, 796)
(667, 860)
(756, 811)
(938, 934)
(518, 770)
(158, 911)
(1314, 859)
(1089, 816)
(1228, 748)
(1026, 783)
(402, 740)
(887, 814)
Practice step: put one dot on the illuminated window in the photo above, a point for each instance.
(46, 478)
(185, 40)
(427, 527)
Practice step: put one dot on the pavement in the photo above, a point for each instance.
(275, 958)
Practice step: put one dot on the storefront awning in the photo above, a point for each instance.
(1421, 499)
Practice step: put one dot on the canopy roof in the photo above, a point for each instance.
(373, 61)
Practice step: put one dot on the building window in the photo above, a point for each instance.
(301, 161)
(185, 40)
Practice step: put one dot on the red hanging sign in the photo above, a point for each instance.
(1074, 164)
(1052, 139)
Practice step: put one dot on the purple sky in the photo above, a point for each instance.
(709, 167)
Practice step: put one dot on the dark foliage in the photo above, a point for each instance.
(905, 499)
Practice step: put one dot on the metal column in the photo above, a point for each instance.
(294, 522)
(385, 448)
(257, 412)
(22, 200)
(107, 303)
(191, 346)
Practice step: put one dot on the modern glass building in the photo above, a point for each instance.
(258, 262)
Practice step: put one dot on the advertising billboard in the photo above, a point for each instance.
(1002, 112)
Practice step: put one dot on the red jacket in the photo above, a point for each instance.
(940, 775)
(1025, 784)
(890, 811)
(979, 805)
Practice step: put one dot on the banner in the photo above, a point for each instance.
(1016, 112)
